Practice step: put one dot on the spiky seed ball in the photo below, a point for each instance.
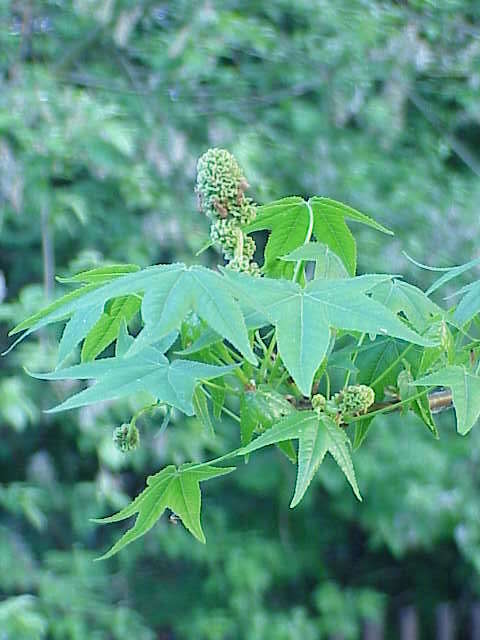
(220, 183)
(354, 399)
(126, 437)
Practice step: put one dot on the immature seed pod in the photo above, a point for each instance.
(355, 399)
(319, 402)
(126, 437)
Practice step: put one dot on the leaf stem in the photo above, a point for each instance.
(386, 371)
(224, 388)
(299, 265)
(225, 456)
(354, 357)
(282, 378)
(328, 387)
(143, 410)
(237, 371)
(260, 342)
(224, 409)
(268, 357)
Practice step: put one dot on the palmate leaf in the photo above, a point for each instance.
(289, 219)
(317, 435)
(92, 279)
(305, 317)
(465, 393)
(171, 292)
(173, 383)
(174, 488)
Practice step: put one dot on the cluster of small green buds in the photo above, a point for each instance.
(126, 437)
(354, 400)
(221, 188)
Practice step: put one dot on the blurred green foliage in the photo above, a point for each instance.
(104, 108)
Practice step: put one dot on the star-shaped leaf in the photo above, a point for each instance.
(465, 393)
(174, 488)
(289, 220)
(304, 317)
(148, 371)
(170, 293)
(317, 435)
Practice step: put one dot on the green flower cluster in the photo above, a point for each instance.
(354, 400)
(126, 437)
(221, 188)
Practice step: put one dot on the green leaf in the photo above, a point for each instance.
(316, 434)
(312, 448)
(362, 427)
(106, 329)
(58, 310)
(329, 206)
(124, 340)
(469, 306)
(253, 320)
(79, 325)
(305, 317)
(330, 228)
(465, 393)
(339, 448)
(101, 275)
(218, 398)
(402, 297)
(449, 272)
(420, 406)
(289, 219)
(327, 264)
(260, 409)
(147, 371)
(171, 293)
(174, 488)
(200, 406)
